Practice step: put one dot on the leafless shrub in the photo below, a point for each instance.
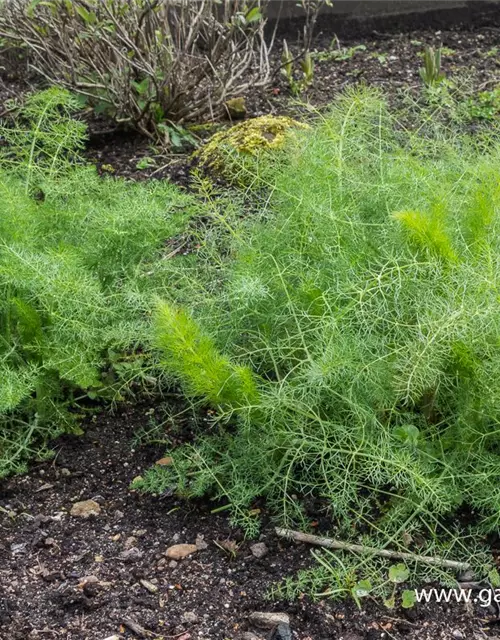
(145, 62)
(311, 10)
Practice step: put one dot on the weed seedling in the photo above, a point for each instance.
(145, 163)
(431, 73)
(485, 105)
(306, 74)
(337, 53)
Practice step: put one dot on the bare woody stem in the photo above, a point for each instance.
(330, 543)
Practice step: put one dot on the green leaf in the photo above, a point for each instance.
(494, 578)
(428, 230)
(254, 15)
(398, 573)
(390, 603)
(175, 139)
(81, 100)
(408, 599)
(29, 324)
(408, 434)
(362, 589)
(145, 163)
(102, 107)
(86, 15)
(193, 357)
(157, 111)
(30, 9)
(142, 86)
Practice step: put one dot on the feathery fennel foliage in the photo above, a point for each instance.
(194, 359)
(364, 297)
(78, 275)
(43, 138)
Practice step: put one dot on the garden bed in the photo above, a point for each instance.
(86, 579)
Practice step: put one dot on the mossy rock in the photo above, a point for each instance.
(228, 153)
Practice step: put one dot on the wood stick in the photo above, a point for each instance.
(330, 543)
(136, 628)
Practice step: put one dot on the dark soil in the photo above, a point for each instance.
(14, 77)
(47, 556)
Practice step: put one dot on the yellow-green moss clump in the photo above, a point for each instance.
(227, 152)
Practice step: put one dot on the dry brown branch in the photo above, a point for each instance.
(330, 543)
(145, 62)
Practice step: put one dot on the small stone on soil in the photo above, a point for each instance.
(189, 617)
(201, 545)
(130, 542)
(18, 549)
(281, 632)
(180, 551)
(88, 580)
(85, 508)
(259, 550)
(149, 586)
(265, 620)
(131, 555)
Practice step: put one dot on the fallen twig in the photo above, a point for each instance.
(136, 628)
(330, 543)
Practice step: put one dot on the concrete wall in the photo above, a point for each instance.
(360, 8)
